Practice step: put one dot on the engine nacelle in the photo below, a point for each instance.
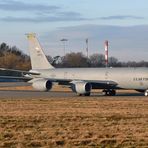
(81, 88)
(42, 85)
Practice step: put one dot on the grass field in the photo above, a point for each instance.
(74, 122)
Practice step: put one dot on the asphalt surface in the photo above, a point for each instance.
(33, 94)
(26, 94)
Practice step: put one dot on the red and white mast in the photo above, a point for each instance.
(106, 52)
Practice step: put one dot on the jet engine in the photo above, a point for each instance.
(81, 88)
(42, 85)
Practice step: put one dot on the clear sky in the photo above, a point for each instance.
(123, 22)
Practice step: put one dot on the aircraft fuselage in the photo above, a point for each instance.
(126, 78)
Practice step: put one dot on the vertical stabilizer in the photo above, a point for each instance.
(37, 56)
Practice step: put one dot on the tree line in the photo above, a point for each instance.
(95, 60)
(13, 58)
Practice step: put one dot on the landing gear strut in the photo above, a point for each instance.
(109, 92)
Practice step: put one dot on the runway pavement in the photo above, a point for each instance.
(26, 94)
(18, 94)
(21, 90)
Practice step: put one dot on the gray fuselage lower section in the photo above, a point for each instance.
(126, 78)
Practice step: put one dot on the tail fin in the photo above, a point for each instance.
(38, 58)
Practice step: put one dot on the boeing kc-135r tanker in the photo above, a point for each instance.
(82, 80)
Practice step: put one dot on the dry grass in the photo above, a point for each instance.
(74, 122)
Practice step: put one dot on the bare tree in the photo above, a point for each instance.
(13, 58)
(97, 60)
(75, 60)
(113, 61)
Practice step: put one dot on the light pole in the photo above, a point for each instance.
(64, 44)
(106, 52)
(87, 47)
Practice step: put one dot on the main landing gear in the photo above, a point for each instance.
(109, 92)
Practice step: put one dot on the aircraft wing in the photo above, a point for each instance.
(95, 84)
(8, 78)
(9, 75)
(20, 71)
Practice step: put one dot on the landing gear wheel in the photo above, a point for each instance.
(87, 94)
(113, 92)
(80, 95)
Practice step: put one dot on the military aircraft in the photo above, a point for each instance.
(82, 80)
